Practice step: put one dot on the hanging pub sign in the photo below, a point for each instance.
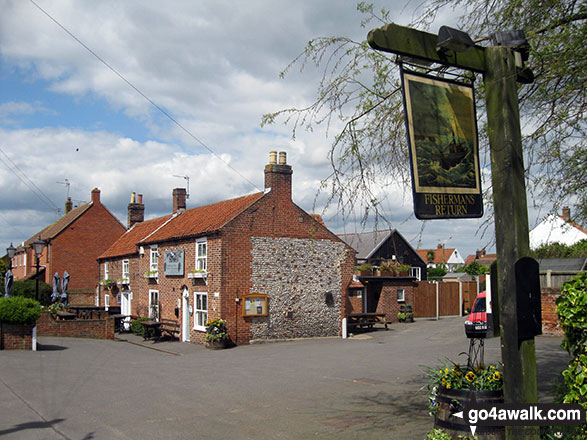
(442, 136)
(174, 262)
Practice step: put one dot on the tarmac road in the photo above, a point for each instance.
(365, 387)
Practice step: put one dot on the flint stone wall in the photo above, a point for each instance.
(302, 280)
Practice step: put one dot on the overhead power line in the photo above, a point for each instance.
(27, 181)
(136, 89)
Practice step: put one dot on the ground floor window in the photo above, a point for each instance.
(201, 310)
(154, 305)
(401, 295)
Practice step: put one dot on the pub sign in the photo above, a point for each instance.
(442, 135)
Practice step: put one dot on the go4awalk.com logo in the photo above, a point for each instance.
(521, 414)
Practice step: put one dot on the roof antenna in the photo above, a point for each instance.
(187, 178)
(67, 184)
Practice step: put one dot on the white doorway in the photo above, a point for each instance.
(125, 309)
(185, 316)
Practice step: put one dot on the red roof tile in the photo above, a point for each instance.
(201, 220)
(438, 254)
(53, 230)
(127, 243)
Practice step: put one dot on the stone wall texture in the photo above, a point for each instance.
(302, 280)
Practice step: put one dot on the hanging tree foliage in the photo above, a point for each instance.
(360, 87)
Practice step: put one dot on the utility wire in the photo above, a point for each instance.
(136, 89)
(28, 182)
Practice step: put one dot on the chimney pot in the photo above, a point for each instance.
(282, 158)
(273, 157)
(566, 213)
(136, 211)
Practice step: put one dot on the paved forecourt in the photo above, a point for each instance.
(362, 387)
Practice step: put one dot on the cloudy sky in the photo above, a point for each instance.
(213, 67)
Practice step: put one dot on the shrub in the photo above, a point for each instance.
(27, 289)
(19, 310)
(137, 328)
(572, 314)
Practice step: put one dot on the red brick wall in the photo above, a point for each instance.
(16, 336)
(355, 301)
(388, 302)
(76, 248)
(550, 324)
(76, 328)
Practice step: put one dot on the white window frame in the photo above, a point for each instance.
(126, 269)
(401, 295)
(202, 258)
(154, 310)
(154, 258)
(106, 271)
(106, 302)
(200, 310)
(416, 272)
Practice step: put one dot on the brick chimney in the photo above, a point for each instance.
(566, 213)
(136, 210)
(278, 175)
(179, 196)
(95, 196)
(68, 205)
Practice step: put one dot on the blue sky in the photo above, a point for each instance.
(213, 66)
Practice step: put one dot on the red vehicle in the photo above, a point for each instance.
(476, 322)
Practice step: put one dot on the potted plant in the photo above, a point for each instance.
(107, 283)
(364, 270)
(393, 268)
(216, 334)
(401, 316)
(451, 387)
(197, 273)
(151, 274)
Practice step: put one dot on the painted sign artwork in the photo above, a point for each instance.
(442, 133)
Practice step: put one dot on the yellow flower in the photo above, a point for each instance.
(446, 371)
(470, 376)
(496, 375)
(448, 385)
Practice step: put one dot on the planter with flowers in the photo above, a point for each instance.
(450, 389)
(216, 334)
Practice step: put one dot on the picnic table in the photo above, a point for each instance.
(368, 320)
(152, 329)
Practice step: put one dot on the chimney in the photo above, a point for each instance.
(68, 205)
(95, 196)
(566, 213)
(179, 196)
(278, 175)
(439, 246)
(136, 210)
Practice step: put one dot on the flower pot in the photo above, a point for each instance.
(217, 345)
(447, 406)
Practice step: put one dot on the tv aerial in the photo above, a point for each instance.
(187, 179)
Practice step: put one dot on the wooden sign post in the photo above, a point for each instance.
(497, 64)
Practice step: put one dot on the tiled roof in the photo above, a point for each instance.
(485, 260)
(53, 230)
(366, 243)
(201, 220)
(439, 256)
(127, 243)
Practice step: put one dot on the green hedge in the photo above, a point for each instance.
(19, 310)
(137, 328)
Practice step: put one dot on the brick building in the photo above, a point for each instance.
(72, 244)
(383, 294)
(259, 261)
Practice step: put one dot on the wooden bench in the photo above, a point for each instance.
(368, 320)
(169, 327)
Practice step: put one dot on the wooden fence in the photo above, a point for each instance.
(454, 298)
